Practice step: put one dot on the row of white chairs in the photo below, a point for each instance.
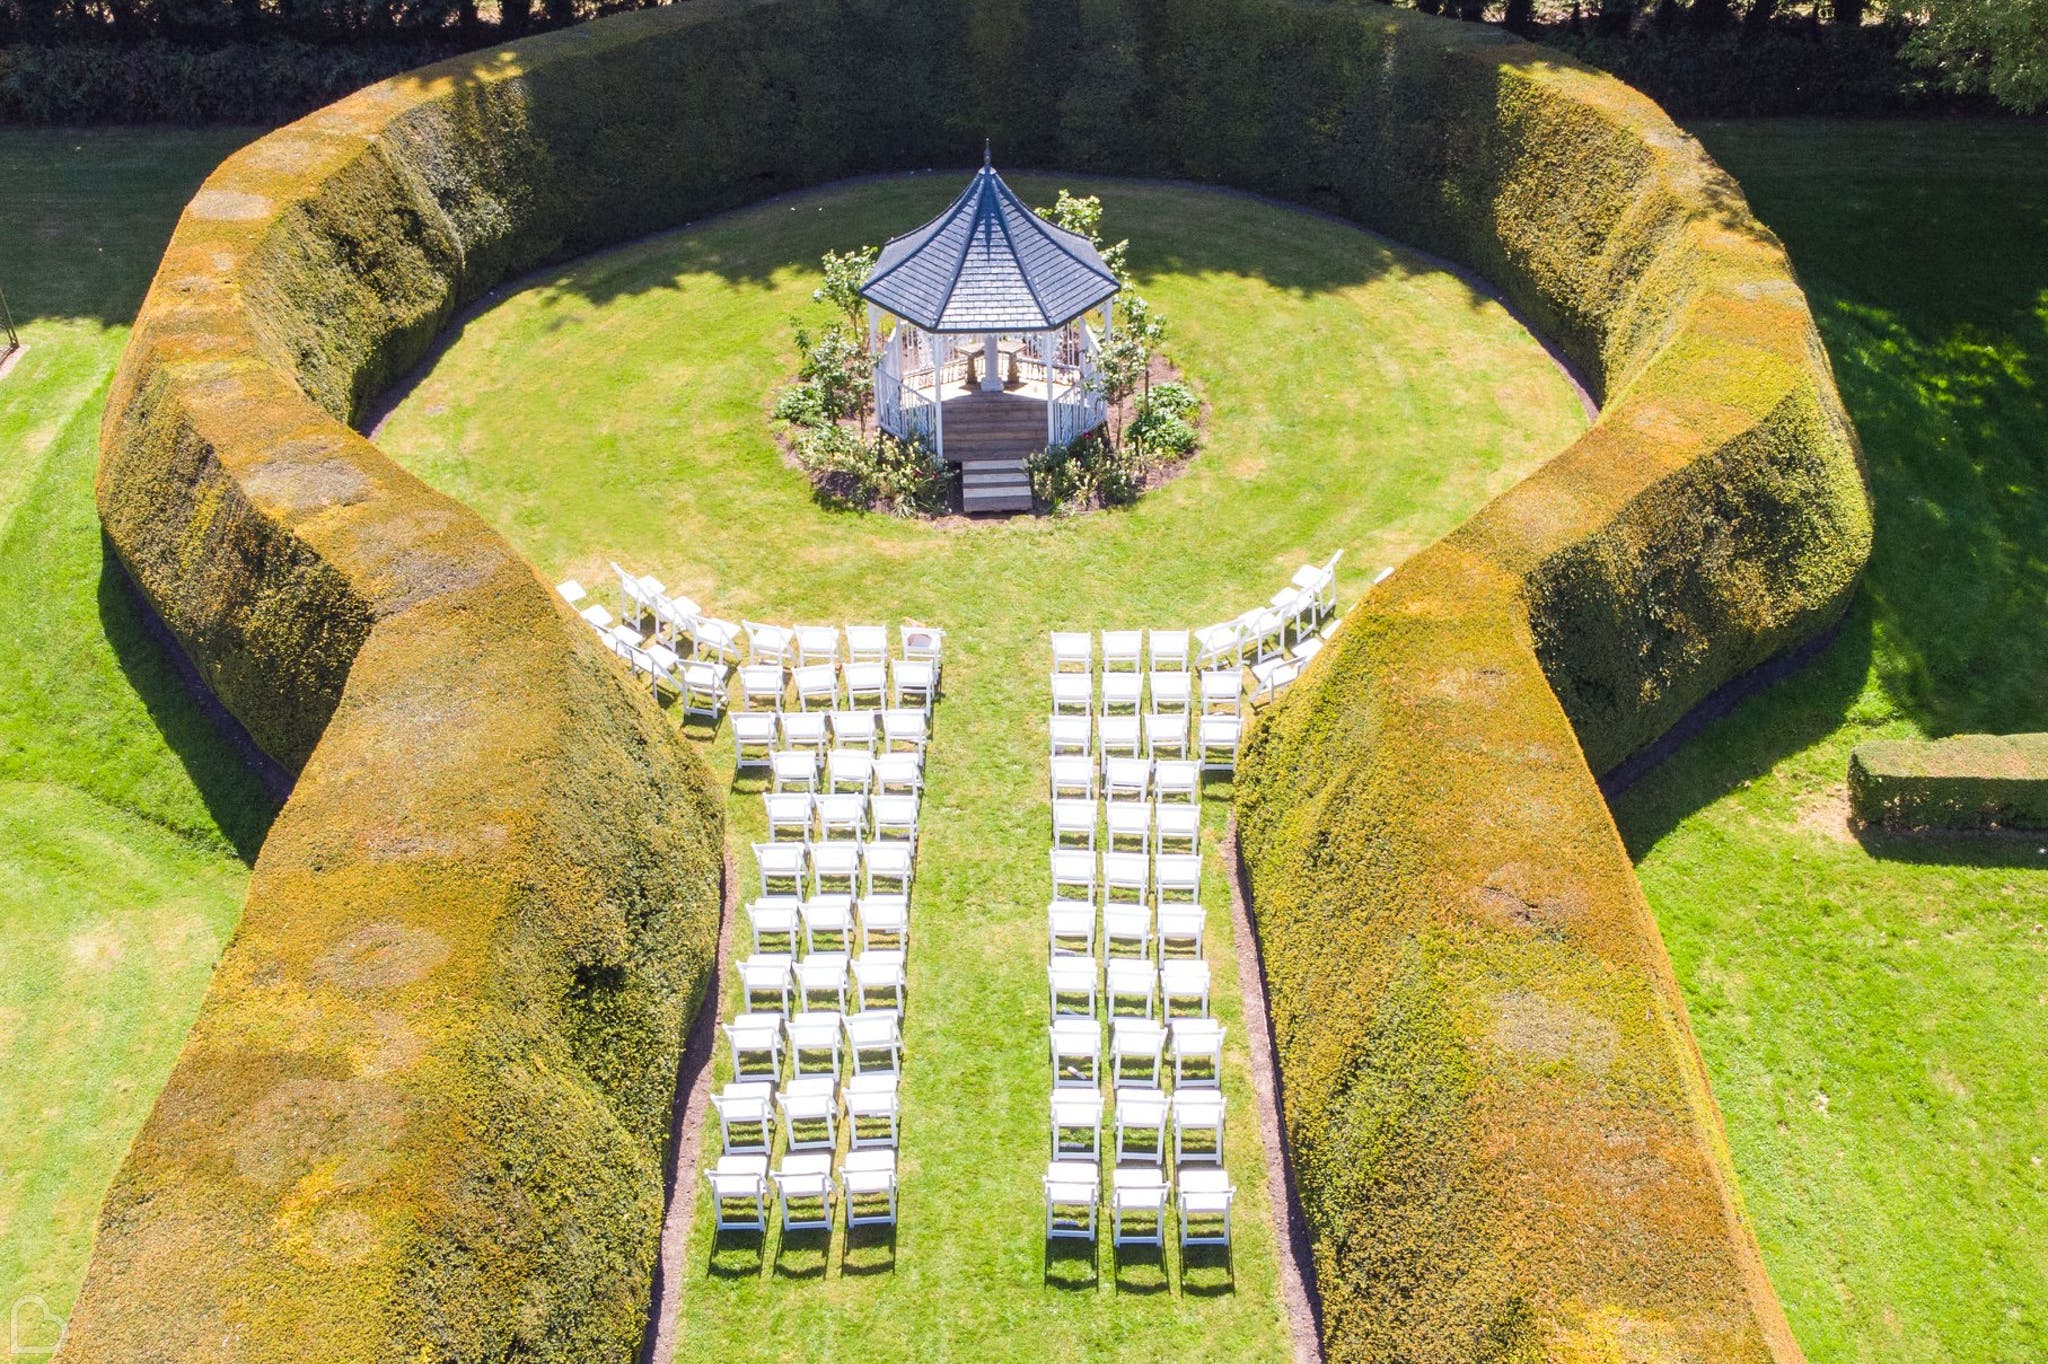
(676, 618)
(845, 771)
(758, 734)
(899, 683)
(794, 925)
(814, 870)
(1125, 987)
(1139, 1052)
(810, 1111)
(1138, 1199)
(1141, 930)
(787, 983)
(1163, 736)
(1124, 777)
(1146, 1123)
(814, 1042)
(808, 1190)
(1218, 691)
(1140, 878)
(1175, 825)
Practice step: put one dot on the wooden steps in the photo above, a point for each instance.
(989, 435)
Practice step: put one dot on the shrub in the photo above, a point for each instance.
(883, 473)
(1969, 781)
(1092, 471)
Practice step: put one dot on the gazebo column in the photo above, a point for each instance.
(1045, 355)
(938, 341)
(991, 365)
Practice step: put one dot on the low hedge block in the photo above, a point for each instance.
(1967, 781)
(423, 1111)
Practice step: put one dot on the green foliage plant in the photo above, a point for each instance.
(1966, 781)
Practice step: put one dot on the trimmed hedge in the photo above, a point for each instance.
(1967, 781)
(423, 1110)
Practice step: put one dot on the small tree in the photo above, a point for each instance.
(841, 289)
(837, 372)
(2000, 46)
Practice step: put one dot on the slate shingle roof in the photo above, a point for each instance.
(988, 264)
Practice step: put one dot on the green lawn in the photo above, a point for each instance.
(123, 819)
(1360, 400)
(1871, 1011)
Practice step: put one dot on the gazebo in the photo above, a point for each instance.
(987, 352)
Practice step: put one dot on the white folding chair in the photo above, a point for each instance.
(893, 817)
(850, 770)
(1122, 650)
(1073, 649)
(1204, 1196)
(704, 688)
(1271, 677)
(1199, 1113)
(571, 592)
(1264, 631)
(880, 971)
(1180, 930)
(1073, 777)
(769, 644)
(1171, 692)
(874, 1042)
(1177, 780)
(1070, 928)
(1126, 980)
(1072, 693)
(1321, 581)
(1076, 1112)
(1073, 823)
(1197, 1040)
(1217, 645)
(782, 867)
(746, 1120)
(867, 684)
(831, 917)
(761, 685)
(675, 617)
(804, 1180)
(715, 639)
(1071, 735)
(817, 644)
(1137, 1206)
(817, 686)
(871, 1101)
(739, 1193)
(764, 980)
(1120, 736)
(886, 917)
(822, 974)
(773, 917)
(1183, 983)
(1076, 1053)
(899, 773)
(854, 729)
(793, 769)
(1179, 877)
(889, 867)
(1122, 693)
(905, 729)
(1179, 826)
(913, 682)
(1127, 926)
(753, 736)
(1129, 822)
(1127, 877)
(1167, 650)
(1072, 1190)
(789, 815)
(1166, 736)
(814, 1043)
(922, 644)
(835, 869)
(1136, 1046)
(842, 817)
(867, 1183)
(1141, 1112)
(867, 644)
(599, 618)
(1127, 778)
(1218, 746)
(756, 1042)
(1073, 874)
(1297, 607)
(1222, 691)
(1071, 986)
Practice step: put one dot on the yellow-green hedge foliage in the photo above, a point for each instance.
(1966, 781)
(422, 1113)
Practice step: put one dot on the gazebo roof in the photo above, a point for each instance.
(988, 264)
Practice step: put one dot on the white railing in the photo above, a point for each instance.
(900, 409)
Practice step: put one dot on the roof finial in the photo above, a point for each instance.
(987, 156)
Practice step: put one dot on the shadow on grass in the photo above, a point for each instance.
(737, 1255)
(1989, 850)
(1207, 1271)
(803, 1255)
(1070, 1265)
(869, 1250)
(241, 786)
(1140, 1270)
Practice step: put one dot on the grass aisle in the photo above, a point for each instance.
(1358, 399)
(124, 820)
(1871, 1009)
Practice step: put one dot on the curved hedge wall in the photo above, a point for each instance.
(423, 1111)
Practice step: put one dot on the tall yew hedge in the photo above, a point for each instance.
(424, 1109)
